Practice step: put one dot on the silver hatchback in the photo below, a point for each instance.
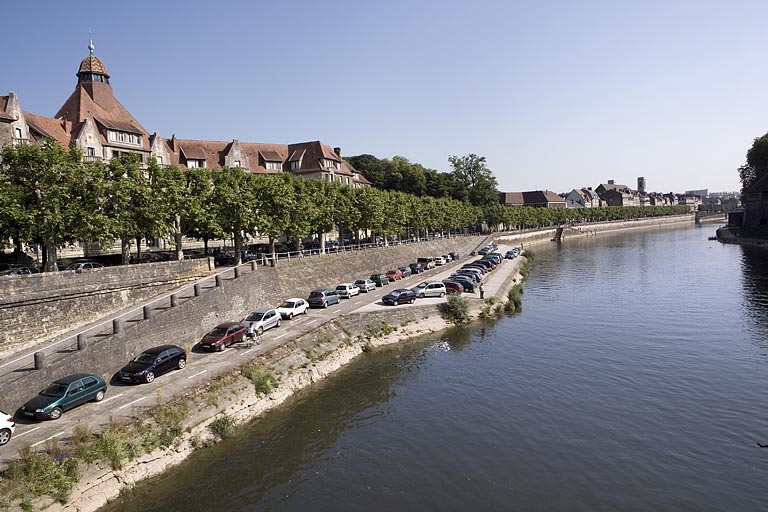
(263, 319)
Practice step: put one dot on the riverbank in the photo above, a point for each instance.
(726, 236)
(294, 366)
(237, 396)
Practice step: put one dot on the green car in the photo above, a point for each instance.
(64, 394)
(380, 279)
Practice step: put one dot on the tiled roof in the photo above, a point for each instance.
(3, 105)
(530, 197)
(49, 127)
(271, 156)
(92, 64)
(95, 100)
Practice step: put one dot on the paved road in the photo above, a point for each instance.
(128, 401)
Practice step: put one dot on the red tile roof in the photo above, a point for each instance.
(55, 129)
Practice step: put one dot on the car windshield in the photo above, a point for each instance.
(395, 292)
(316, 294)
(219, 331)
(422, 285)
(341, 287)
(359, 282)
(288, 305)
(145, 358)
(255, 317)
(56, 389)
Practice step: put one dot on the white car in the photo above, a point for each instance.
(292, 307)
(439, 261)
(7, 426)
(429, 289)
(347, 290)
(365, 285)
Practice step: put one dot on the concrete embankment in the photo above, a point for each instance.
(296, 365)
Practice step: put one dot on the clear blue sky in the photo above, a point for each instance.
(555, 95)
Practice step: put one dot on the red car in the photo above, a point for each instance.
(223, 335)
(394, 274)
(453, 287)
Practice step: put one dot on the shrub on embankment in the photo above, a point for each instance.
(455, 309)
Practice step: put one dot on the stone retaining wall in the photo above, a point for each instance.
(186, 323)
(39, 307)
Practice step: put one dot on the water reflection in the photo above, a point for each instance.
(754, 266)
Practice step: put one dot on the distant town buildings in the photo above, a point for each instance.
(102, 128)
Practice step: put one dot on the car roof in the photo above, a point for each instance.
(401, 290)
(227, 325)
(69, 379)
(292, 299)
(260, 311)
(158, 349)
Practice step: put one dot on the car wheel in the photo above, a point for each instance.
(325, 304)
(290, 316)
(99, 396)
(5, 436)
(421, 295)
(56, 413)
(181, 364)
(279, 322)
(221, 347)
(305, 310)
(243, 338)
(412, 301)
(260, 331)
(442, 294)
(149, 377)
(394, 303)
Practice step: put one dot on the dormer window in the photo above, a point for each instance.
(295, 165)
(274, 166)
(330, 164)
(193, 163)
(237, 163)
(124, 137)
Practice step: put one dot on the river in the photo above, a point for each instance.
(633, 380)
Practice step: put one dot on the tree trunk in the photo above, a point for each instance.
(272, 247)
(138, 248)
(44, 255)
(51, 250)
(238, 248)
(18, 247)
(125, 245)
(321, 236)
(177, 238)
(205, 245)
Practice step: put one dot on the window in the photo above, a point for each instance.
(191, 164)
(18, 133)
(274, 166)
(112, 136)
(160, 160)
(237, 163)
(295, 165)
(91, 151)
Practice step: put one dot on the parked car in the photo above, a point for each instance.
(292, 307)
(246, 256)
(64, 394)
(20, 271)
(406, 271)
(429, 289)
(475, 274)
(347, 290)
(481, 268)
(452, 286)
(154, 362)
(322, 298)
(79, 266)
(465, 281)
(399, 296)
(427, 263)
(365, 285)
(7, 426)
(486, 263)
(262, 320)
(455, 255)
(223, 335)
(380, 279)
(484, 250)
(394, 274)
(440, 261)
(222, 259)
(416, 268)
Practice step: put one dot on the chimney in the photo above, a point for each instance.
(611, 182)
(173, 142)
(337, 151)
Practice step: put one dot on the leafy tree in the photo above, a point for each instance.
(470, 174)
(370, 167)
(756, 165)
(199, 216)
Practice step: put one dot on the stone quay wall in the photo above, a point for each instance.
(230, 300)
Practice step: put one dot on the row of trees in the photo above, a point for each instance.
(48, 196)
(470, 179)
(527, 217)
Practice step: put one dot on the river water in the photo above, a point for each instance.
(633, 380)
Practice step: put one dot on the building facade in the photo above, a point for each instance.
(102, 128)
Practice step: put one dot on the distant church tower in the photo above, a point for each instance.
(641, 185)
